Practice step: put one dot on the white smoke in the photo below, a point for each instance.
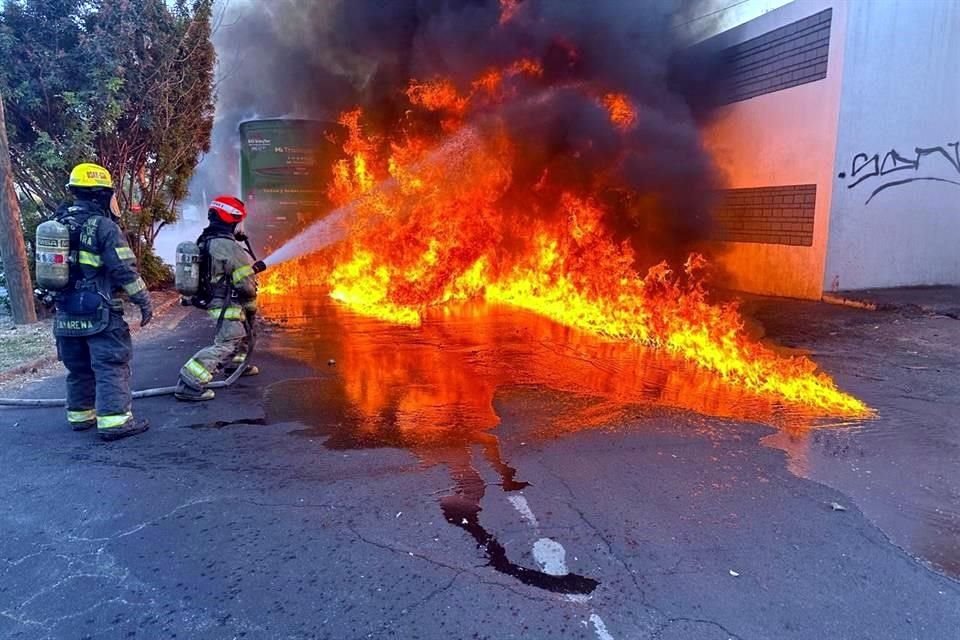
(269, 65)
(192, 221)
(318, 236)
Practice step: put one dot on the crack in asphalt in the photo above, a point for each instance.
(143, 525)
(77, 567)
(613, 554)
(99, 564)
(404, 552)
(458, 569)
(19, 561)
(516, 590)
(25, 621)
(118, 581)
(298, 505)
(658, 633)
(667, 619)
(597, 532)
(416, 605)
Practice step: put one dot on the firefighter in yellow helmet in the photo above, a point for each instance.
(93, 340)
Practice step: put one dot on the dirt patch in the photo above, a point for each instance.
(27, 349)
(21, 344)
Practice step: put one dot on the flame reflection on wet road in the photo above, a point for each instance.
(431, 381)
(434, 389)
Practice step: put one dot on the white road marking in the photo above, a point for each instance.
(600, 627)
(551, 556)
(523, 507)
(579, 598)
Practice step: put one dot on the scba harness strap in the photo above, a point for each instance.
(84, 307)
(82, 310)
(83, 242)
(207, 291)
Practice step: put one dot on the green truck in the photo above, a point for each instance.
(285, 167)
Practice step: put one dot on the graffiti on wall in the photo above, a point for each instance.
(895, 169)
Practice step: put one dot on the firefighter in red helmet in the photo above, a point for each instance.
(228, 292)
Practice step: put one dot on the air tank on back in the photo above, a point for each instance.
(187, 270)
(53, 255)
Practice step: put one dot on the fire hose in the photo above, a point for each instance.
(147, 393)
(143, 393)
(162, 391)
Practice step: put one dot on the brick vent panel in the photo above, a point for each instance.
(792, 55)
(768, 215)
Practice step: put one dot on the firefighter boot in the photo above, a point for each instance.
(189, 393)
(81, 420)
(83, 426)
(249, 370)
(131, 428)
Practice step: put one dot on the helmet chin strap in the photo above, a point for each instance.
(218, 224)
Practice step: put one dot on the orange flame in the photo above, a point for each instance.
(526, 66)
(443, 231)
(352, 175)
(437, 95)
(621, 111)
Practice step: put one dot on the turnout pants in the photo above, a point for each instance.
(98, 375)
(229, 348)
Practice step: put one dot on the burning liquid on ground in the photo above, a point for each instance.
(420, 386)
(456, 210)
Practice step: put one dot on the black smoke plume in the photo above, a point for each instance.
(314, 59)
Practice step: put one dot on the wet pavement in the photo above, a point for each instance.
(492, 475)
(938, 300)
(902, 467)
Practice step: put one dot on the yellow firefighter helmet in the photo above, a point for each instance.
(89, 175)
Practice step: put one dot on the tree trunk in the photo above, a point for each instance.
(12, 250)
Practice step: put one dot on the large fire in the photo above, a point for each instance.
(439, 215)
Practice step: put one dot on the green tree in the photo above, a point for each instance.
(157, 63)
(127, 83)
(43, 78)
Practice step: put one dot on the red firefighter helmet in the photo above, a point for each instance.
(229, 209)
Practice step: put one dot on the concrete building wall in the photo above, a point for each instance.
(782, 135)
(702, 19)
(896, 186)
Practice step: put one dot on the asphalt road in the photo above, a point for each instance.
(465, 482)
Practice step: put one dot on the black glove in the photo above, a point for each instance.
(143, 301)
(259, 266)
(146, 313)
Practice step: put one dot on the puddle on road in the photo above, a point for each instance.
(433, 390)
(900, 469)
(447, 371)
(328, 411)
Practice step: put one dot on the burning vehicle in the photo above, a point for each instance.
(283, 166)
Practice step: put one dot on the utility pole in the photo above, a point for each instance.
(12, 251)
